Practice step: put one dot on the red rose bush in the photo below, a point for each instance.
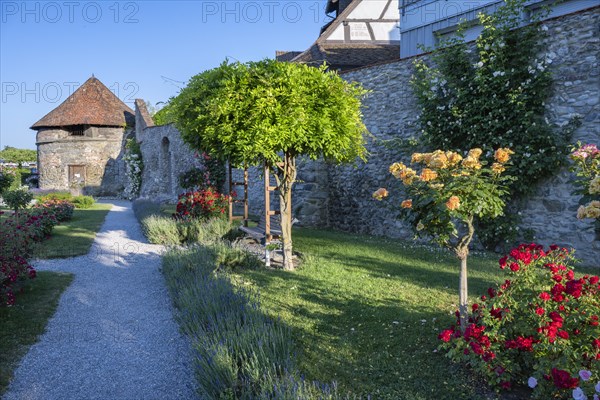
(540, 327)
(201, 204)
(19, 234)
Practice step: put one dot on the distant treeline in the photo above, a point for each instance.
(14, 155)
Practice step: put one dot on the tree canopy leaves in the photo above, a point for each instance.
(252, 112)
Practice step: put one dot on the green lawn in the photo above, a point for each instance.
(23, 323)
(366, 312)
(74, 238)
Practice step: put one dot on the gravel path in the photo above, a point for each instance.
(113, 335)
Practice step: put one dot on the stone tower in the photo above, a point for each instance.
(80, 143)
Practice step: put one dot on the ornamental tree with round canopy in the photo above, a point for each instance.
(272, 112)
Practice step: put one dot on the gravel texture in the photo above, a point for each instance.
(113, 335)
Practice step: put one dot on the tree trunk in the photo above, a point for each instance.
(286, 176)
(462, 252)
(463, 296)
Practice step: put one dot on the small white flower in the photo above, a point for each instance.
(532, 382)
(544, 28)
(479, 64)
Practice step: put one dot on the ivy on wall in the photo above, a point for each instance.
(134, 166)
(493, 95)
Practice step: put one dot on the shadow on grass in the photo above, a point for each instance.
(366, 313)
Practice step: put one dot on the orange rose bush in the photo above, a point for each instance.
(445, 192)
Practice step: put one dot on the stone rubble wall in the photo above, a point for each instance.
(164, 154)
(309, 194)
(390, 113)
(165, 158)
(101, 151)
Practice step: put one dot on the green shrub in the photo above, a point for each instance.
(161, 230)
(204, 231)
(17, 199)
(16, 183)
(83, 202)
(7, 177)
(55, 196)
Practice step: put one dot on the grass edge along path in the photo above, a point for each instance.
(74, 237)
(22, 324)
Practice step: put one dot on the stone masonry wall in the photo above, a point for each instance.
(390, 113)
(165, 157)
(309, 194)
(100, 151)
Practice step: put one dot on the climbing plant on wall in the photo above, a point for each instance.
(493, 95)
(209, 172)
(134, 167)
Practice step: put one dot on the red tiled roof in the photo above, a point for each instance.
(91, 104)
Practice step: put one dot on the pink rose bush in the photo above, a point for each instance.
(539, 328)
(19, 233)
(586, 165)
(62, 209)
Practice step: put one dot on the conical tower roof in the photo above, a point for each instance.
(91, 104)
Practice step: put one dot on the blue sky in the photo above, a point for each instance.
(139, 49)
